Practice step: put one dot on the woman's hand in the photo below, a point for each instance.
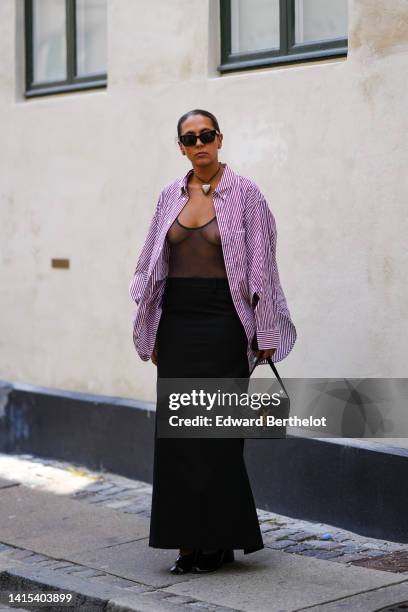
(265, 353)
(154, 354)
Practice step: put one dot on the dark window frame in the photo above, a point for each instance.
(288, 52)
(72, 82)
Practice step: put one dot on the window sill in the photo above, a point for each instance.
(293, 58)
(47, 90)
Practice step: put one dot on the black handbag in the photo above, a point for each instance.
(280, 412)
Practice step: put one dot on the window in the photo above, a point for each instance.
(65, 45)
(256, 33)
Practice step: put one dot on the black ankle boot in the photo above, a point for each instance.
(183, 563)
(229, 556)
(212, 560)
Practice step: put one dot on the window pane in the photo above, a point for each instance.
(91, 36)
(49, 41)
(320, 20)
(254, 25)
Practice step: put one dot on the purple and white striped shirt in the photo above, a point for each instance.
(248, 239)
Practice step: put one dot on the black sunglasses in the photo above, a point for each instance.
(189, 140)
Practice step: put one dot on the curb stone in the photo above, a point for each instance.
(95, 595)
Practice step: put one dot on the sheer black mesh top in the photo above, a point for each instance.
(196, 251)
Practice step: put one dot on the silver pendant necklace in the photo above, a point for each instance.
(207, 185)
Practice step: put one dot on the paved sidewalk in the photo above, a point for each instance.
(64, 529)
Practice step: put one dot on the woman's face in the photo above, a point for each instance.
(200, 154)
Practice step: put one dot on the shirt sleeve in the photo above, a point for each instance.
(263, 277)
(140, 275)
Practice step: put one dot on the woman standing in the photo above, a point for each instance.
(207, 289)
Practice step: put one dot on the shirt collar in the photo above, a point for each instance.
(224, 184)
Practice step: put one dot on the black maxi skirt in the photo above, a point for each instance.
(202, 496)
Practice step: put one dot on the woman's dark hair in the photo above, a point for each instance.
(197, 111)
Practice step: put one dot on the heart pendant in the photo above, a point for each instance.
(206, 188)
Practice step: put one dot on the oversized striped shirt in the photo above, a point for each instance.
(248, 239)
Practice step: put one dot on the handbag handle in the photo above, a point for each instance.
(275, 371)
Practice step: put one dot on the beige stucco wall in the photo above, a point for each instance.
(81, 173)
